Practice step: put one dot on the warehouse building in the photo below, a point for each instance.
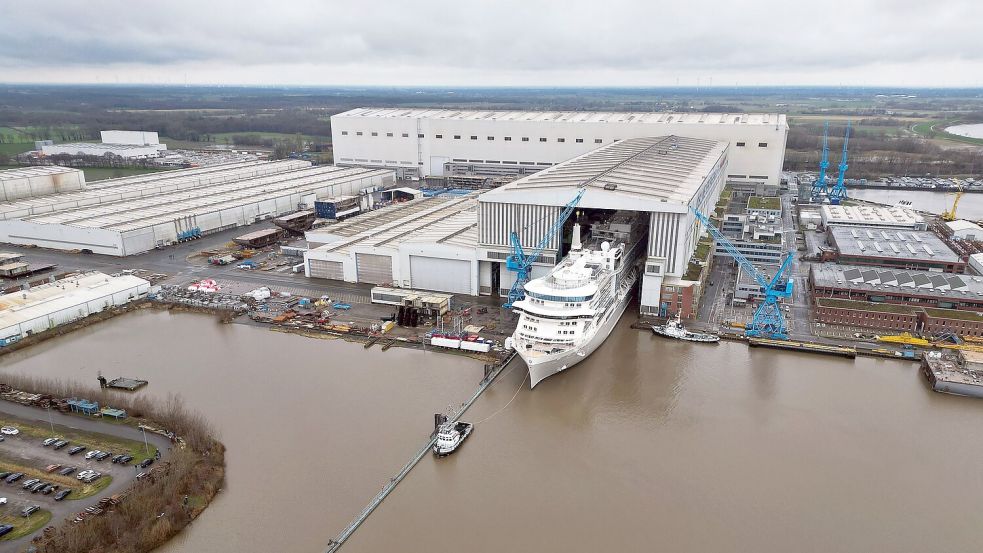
(918, 250)
(427, 243)
(964, 230)
(129, 216)
(30, 182)
(921, 288)
(658, 178)
(442, 142)
(44, 307)
(127, 144)
(872, 216)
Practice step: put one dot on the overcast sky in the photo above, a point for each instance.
(503, 42)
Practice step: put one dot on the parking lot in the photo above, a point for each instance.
(24, 453)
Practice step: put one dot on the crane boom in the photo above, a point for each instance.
(768, 319)
(819, 186)
(521, 262)
(838, 193)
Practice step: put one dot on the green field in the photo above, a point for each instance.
(23, 526)
(934, 129)
(226, 137)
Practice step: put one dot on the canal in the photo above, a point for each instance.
(647, 445)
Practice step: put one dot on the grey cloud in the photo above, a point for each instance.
(509, 35)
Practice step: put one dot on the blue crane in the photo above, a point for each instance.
(768, 321)
(838, 193)
(819, 186)
(521, 262)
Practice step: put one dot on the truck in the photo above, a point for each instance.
(222, 260)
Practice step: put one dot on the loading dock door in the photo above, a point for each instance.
(374, 269)
(327, 269)
(441, 275)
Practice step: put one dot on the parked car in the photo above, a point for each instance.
(52, 468)
(62, 494)
(76, 449)
(60, 444)
(147, 462)
(92, 478)
(29, 483)
(5, 529)
(49, 488)
(126, 459)
(84, 474)
(66, 471)
(4, 475)
(102, 455)
(28, 511)
(116, 458)
(3, 500)
(9, 430)
(38, 487)
(15, 477)
(49, 441)
(92, 453)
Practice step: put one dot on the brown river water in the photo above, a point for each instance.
(648, 445)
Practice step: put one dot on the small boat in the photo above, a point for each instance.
(674, 329)
(450, 436)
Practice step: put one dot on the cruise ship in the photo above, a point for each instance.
(568, 313)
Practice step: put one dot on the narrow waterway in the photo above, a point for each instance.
(648, 445)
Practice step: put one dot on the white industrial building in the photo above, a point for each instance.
(435, 142)
(976, 263)
(964, 230)
(44, 307)
(128, 144)
(136, 214)
(872, 216)
(427, 243)
(660, 178)
(30, 182)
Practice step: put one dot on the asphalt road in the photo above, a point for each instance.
(29, 447)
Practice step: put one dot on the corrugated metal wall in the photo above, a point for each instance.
(663, 239)
(374, 269)
(333, 270)
(497, 220)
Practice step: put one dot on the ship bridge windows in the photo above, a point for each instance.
(563, 299)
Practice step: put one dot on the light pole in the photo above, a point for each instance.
(145, 444)
(48, 409)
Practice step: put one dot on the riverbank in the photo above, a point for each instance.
(178, 488)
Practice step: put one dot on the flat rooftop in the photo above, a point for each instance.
(571, 116)
(35, 171)
(662, 168)
(452, 221)
(872, 215)
(23, 306)
(888, 281)
(892, 244)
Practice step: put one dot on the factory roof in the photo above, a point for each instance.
(101, 146)
(892, 244)
(962, 224)
(143, 204)
(35, 171)
(22, 306)
(451, 221)
(925, 283)
(571, 116)
(870, 215)
(660, 169)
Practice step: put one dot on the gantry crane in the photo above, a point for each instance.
(838, 193)
(521, 262)
(768, 321)
(819, 189)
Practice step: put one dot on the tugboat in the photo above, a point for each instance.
(450, 436)
(674, 329)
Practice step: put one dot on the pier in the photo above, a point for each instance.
(490, 376)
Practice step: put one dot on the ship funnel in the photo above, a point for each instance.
(575, 242)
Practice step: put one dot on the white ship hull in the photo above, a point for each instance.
(544, 365)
